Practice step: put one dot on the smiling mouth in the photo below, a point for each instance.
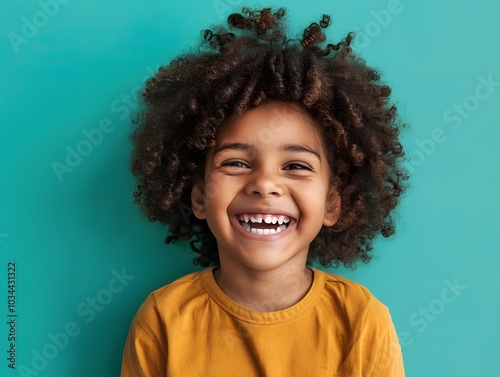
(263, 223)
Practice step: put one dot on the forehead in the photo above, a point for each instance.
(270, 124)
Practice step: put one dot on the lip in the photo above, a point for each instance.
(263, 211)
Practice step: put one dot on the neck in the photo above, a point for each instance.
(265, 291)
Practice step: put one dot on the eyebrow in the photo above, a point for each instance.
(301, 149)
(285, 148)
(234, 146)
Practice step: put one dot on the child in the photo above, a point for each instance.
(287, 153)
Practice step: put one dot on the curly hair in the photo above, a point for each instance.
(249, 63)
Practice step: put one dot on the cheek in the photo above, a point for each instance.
(220, 192)
(218, 183)
(309, 200)
(312, 191)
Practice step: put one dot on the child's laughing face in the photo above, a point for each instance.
(266, 191)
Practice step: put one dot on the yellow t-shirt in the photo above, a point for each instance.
(190, 328)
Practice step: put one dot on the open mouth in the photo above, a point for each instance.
(263, 223)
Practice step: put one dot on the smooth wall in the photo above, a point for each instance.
(85, 258)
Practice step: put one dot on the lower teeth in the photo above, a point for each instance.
(249, 229)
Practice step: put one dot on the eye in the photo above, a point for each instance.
(296, 166)
(236, 164)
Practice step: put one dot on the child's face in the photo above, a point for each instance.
(266, 191)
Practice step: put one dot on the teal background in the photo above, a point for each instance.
(68, 234)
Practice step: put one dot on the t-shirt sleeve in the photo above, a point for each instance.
(387, 356)
(371, 347)
(145, 353)
(384, 357)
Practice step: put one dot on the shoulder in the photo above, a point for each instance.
(185, 288)
(181, 286)
(353, 300)
(172, 297)
(344, 287)
(367, 322)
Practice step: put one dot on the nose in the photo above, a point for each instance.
(264, 184)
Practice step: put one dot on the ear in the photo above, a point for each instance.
(332, 209)
(198, 201)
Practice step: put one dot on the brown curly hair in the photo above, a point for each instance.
(251, 63)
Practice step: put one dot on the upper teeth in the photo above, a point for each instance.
(268, 219)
